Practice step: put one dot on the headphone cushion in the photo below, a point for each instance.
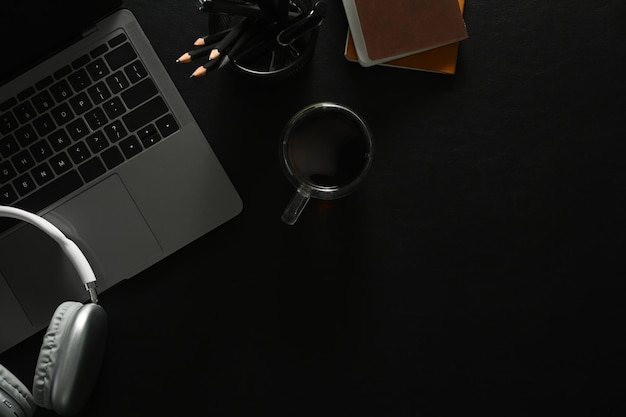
(14, 388)
(53, 342)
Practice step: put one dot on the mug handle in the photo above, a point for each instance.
(296, 205)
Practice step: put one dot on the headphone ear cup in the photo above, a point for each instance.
(20, 401)
(70, 357)
(52, 343)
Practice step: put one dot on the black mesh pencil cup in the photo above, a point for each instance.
(276, 37)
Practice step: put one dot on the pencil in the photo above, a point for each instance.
(234, 33)
(242, 41)
(203, 69)
(195, 53)
(212, 38)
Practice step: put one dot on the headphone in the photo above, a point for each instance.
(72, 348)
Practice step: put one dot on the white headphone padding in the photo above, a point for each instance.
(45, 369)
(16, 390)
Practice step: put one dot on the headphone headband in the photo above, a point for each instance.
(73, 252)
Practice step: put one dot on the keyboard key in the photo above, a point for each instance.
(8, 146)
(139, 93)
(61, 163)
(23, 161)
(130, 146)
(148, 136)
(120, 56)
(78, 152)
(42, 101)
(62, 72)
(59, 140)
(114, 108)
(92, 169)
(117, 40)
(6, 171)
(150, 140)
(62, 114)
(117, 82)
(81, 103)
(77, 129)
(97, 142)
(7, 195)
(146, 131)
(7, 104)
(79, 79)
(112, 157)
(135, 72)
(145, 114)
(115, 131)
(97, 69)
(61, 90)
(24, 184)
(44, 82)
(41, 150)
(44, 124)
(167, 125)
(23, 95)
(98, 93)
(42, 174)
(25, 135)
(80, 61)
(24, 112)
(8, 123)
(96, 118)
(99, 50)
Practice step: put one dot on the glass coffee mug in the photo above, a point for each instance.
(326, 151)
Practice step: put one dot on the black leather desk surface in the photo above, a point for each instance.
(479, 269)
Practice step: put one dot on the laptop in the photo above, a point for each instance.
(95, 138)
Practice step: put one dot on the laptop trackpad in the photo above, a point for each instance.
(109, 228)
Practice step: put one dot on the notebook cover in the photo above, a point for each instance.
(441, 60)
(391, 29)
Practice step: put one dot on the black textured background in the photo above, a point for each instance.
(479, 269)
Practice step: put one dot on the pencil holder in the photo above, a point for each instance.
(279, 36)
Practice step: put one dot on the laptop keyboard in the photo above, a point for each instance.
(76, 124)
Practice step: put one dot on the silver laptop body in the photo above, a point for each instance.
(125, 220)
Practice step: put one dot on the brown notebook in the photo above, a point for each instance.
(391, 29)
(441, 60)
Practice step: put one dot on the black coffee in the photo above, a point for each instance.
(328, 148)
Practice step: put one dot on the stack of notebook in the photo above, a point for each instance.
(413, 34)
